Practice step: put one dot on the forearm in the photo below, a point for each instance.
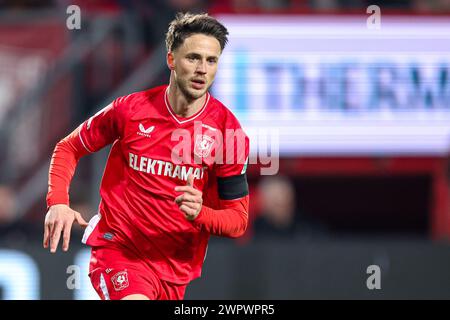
(62, 168)
(230, 220)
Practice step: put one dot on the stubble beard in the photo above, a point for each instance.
(190, 95)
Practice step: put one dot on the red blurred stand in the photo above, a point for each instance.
(436, 167)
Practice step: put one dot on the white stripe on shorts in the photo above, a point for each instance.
(103, 287)
(91, 226)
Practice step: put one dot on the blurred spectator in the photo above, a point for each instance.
(14, 232)
(7, 205)
(279, 216)
(153, 17)
(25, 4)
(254, 6)
(277, 205)
(431, 6)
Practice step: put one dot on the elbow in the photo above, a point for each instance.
(240, 231)
(68, 147)
(62, 145)
(59, 145)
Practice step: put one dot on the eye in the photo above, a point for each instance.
(192, 58)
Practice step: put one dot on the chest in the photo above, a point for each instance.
(157, 147)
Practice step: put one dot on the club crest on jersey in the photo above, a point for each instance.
(145, 132)
(120, 280)
(203, 145)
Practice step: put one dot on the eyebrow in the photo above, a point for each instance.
(197, 55)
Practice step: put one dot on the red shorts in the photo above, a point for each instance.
(116, 273)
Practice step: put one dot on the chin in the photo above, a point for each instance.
(195, 94)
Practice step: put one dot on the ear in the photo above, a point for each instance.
(170, 60)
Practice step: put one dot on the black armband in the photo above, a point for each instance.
(233, 187)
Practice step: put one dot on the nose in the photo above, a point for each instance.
(201, 67)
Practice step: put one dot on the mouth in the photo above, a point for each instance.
(198, 83)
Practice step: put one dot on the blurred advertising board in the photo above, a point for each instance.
(330, 85)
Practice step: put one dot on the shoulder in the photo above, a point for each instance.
(137, 103)
(223, 116)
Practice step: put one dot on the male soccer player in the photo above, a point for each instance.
(175, 175)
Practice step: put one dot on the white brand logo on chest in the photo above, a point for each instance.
(145, 132)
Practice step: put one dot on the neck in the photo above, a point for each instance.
(181, 105)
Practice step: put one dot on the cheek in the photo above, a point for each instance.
(183, 75)
(182, 68)
(212, 74)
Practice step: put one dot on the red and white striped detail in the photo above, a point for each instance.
(169, 108)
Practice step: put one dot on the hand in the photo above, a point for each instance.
(190, 202)
(59, 219)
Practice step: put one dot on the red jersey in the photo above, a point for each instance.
(153, 151)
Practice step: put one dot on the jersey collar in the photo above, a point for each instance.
(182, 120)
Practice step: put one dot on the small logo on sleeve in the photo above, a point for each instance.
(120, 280)
(244, 169)
(108, 236)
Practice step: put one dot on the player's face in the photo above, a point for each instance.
(195, 64)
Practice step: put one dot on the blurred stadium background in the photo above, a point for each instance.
(360, 116)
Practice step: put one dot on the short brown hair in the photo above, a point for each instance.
(187, 24)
